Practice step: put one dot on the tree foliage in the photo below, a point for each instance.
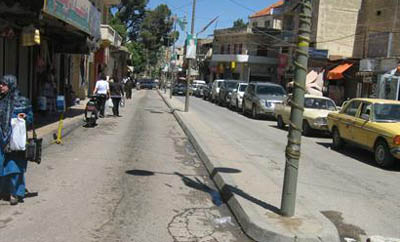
(132, 13)
(156, 27)
(239, 24)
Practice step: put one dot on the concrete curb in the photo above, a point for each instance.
(251, 228)
(67, 129)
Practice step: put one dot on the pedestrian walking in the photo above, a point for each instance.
(116, 92)
(13, 164)
(128, 88)
(102, 89)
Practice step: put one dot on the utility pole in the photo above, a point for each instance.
(172, 82)
(293, 148)
(190, 60)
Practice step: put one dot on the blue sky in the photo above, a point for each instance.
(227, 10)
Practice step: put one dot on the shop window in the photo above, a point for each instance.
(262, 50)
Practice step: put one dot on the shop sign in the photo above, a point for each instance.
(82, 14)
(317, 53)
(367, 65)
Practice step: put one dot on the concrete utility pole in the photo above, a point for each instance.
(172, 82)
(293, 147)
(190, 60)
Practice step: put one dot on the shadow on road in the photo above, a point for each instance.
(359, 154)
(199, 185)
(224, 170)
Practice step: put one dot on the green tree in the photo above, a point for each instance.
(138, 56)
(131, 13)
(239, 24)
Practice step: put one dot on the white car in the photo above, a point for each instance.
(215, 89)
(237, 96)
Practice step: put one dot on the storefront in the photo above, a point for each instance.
(38, 41)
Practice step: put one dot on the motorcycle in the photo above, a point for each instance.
(92, 111)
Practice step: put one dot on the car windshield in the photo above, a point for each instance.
(270, 90)
(319, 103)
(385, 112)
(242, 88)
(230, 85)
(219, 84)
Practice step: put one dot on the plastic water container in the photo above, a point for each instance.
(42, 101)
(60, 104)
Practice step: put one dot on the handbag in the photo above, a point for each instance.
(33, 151)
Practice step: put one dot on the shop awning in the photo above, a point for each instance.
(337, 72)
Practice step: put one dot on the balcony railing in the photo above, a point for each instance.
(110, 36)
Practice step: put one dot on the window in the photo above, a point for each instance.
(235, 49)
(240, 49)
(366, 109)
(352, 108)
(285, 50)
(228, 50)
(255, 24)
(222, 49)
(267, 24)
(262, 50)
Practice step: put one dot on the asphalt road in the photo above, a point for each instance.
(347, 187)
(134, 178)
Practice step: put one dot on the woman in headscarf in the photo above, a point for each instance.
(12, 163)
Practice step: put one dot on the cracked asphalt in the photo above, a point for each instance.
(135, 178)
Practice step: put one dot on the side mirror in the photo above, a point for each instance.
(365, 117)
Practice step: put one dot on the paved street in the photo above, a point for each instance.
(135, 178)
(347, 187)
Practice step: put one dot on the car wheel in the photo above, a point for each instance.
(383, 157)
(337, 141)
(281, 124)
(306, 128)
(254, 112)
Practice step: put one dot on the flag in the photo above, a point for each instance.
(182, 23)
(208, 25)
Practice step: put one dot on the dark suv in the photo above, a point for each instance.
(260, 98)
(225, 92)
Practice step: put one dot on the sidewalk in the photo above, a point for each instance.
(46, 126)
(246, 187)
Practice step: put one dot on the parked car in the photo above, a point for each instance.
(147, 84)
(225, 92)
(215, 89)
(316, 110)
(199, 90)
(196, 84)
(207, 91)
(261, 97)
(237, 96)
(179, 89)
(372, 124)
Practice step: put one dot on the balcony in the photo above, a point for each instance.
(109, 36)
(111, 2)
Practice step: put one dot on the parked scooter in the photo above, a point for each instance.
(92, 111)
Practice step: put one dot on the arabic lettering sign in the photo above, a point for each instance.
(79, 13)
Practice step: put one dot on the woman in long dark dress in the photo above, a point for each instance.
(12, 163)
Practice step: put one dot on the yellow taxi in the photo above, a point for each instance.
(372, 124)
